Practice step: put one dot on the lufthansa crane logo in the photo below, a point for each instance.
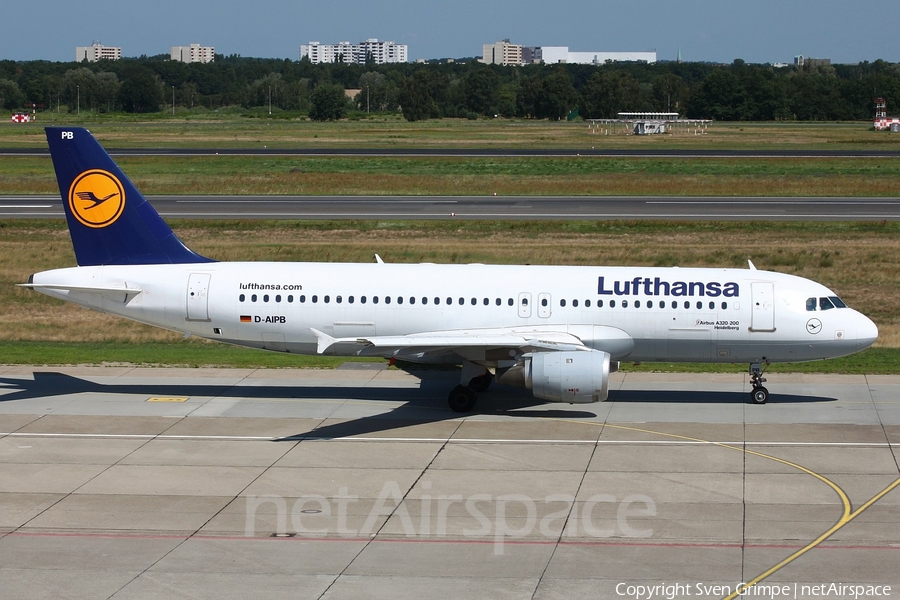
(96, 198)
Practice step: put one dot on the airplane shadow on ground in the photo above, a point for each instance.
(421, 405)
(705, 397)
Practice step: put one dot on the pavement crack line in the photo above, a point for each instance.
(373, 537)
(847, 513)
(562, 530)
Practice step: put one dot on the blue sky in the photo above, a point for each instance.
(705, 30)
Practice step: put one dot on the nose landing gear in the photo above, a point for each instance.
(759, 394)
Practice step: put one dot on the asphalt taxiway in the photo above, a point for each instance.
(121, 482)
(491, 207)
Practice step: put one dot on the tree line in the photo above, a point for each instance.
(735, 92)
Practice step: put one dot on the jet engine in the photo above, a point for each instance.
(574, 377)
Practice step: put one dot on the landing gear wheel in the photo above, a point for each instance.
(461, 399)
(759, 395)
(481, 383)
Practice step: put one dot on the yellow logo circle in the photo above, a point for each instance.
(96, 198)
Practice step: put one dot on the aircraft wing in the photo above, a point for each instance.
(472, 344)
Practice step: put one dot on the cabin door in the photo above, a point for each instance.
(762, 317)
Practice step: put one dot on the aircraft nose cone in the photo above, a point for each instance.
(866, 333)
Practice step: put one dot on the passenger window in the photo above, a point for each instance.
(544, 302)
(474, 301)
(649, 303)
(637, 303)
(339, 299)
(587, 303)
(561, 302)
(524, 301)
(462, 301)
(242, 297)
(302, 298)
(838, 303)
(362, 299)
(486, 302)
(449, 301)
(624, 303)
(687, 305)
(825, 304)
(266, 298)
(315, 298)
(575, 303)
(424, 300)
(253, 298)
(374, 299)
(326, 299)
(724, 305)
(399, 299)
(510, 302)
(290, 298)
(810, 304)
(438, 300)
(498, 302)
(600, 303)
(712, 306)
(674, 304)
(350, 299)
(387, 299)
(278, 298)
(412, 299)
(612, 303)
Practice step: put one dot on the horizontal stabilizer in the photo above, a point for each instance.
(103, 289)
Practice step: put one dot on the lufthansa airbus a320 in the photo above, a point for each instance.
(558, 331)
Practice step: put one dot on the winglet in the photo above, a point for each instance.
(325, 341)
(110, 222)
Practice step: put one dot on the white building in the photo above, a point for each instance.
(97, 51)
(502, 53)
(379, 52)
(195, 53)
(551, 55)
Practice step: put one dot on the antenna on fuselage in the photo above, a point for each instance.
(752, 266)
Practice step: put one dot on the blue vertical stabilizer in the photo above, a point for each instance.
(110, 222)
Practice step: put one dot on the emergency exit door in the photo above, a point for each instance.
(198, 297)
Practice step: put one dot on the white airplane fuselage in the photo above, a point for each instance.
(633, 313)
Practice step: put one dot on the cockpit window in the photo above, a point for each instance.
(838, 303)
(825, 304)
(811, 304)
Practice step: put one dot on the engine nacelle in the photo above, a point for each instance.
(577, 377)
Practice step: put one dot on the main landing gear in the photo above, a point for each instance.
(462, 398)
(759, 394)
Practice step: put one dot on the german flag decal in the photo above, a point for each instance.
(246, 318)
